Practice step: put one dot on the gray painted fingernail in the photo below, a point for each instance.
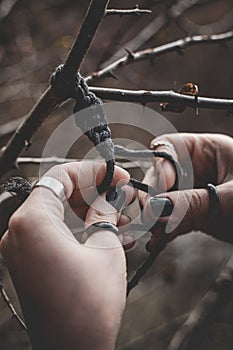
(116, 197)
(161, 206)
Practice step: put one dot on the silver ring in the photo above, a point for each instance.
(53, 185)
(100, 226)
(163, 143)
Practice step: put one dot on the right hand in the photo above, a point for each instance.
(212, 161)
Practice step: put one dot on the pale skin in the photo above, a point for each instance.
(212, 161)
(72, 294)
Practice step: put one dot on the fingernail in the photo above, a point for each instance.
(116, 197)
(161, 206)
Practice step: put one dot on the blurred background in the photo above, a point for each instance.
(35, 38)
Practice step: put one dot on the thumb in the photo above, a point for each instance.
(105, 209)
(102, 211)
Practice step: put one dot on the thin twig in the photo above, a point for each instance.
(48, 101)
(144, 97)
(12, 309)
(175, 46)
(9, 127)
(136, 11)
(58, 160)
(151, 29)
(142, 270)
(191, 332)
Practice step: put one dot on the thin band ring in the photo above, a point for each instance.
(53, 185)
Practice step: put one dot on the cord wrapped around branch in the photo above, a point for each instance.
(92, 121)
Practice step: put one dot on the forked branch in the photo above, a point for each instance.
(48, 101)
(12, 309)
(174, 46)
(136, 11)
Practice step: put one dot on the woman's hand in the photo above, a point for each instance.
(72, 295)
(212, 161)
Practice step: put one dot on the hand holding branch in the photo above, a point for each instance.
(72, 295)
(212, 162)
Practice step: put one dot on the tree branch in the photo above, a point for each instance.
(12, 309)
(136, 11)
(154, 27)
(175, 46)
(191, 332)
(58, 160)
(144, 97)
(48, 101)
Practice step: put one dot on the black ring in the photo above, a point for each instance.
(176, 165)
(214, 210)
(100, 226)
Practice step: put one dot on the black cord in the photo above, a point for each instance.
(92, 122)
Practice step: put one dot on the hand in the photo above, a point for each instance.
(212, 161)
(72, 295)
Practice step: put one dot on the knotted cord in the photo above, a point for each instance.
(93, 124)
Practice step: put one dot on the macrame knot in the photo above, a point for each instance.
(92, 120)
(18, 187)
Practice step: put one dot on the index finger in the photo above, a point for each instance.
(80, 175)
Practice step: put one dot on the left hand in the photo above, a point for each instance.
(72, 295)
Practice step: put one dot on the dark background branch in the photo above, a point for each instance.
(136, 11)
(175, 46)
(145, 97)
(48, 101)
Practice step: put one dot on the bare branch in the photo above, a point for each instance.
(136, 11)
(85, 36)
(48, 101)
(206, 311)
(153, 28)
(144, 97)
(175, 46)
(58, 160)
(12, 309)
(8, 128)
(142, 270)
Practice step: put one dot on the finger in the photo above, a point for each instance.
(164, 169)
(192, 207)
(204, 158)
(201, 151)
(154, 239)
(162, 176)
(83, 197)
(123, 220)
(81, 175)
(128, 241)
(103, 211)
(156, 207)
(73, 176)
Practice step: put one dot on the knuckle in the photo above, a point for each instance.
(18, 222)
(195, 204)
